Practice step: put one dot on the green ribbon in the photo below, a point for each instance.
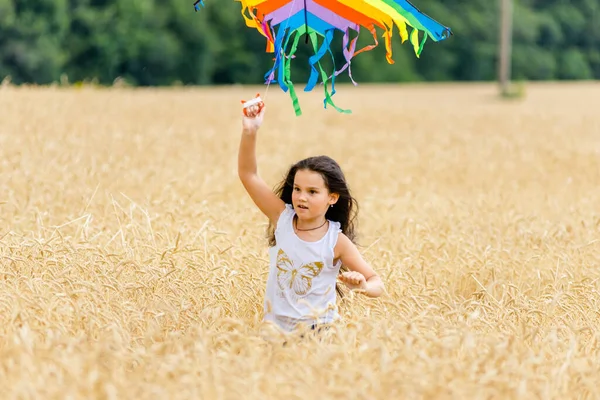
(285, 72)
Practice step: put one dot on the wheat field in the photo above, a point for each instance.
(133, 264)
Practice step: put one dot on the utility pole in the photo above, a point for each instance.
(505, 45)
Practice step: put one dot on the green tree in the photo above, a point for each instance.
(152, 42)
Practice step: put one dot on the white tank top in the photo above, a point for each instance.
(302, 276)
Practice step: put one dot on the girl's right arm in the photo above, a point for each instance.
(261, 194)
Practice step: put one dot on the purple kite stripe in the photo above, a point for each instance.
(283, 13)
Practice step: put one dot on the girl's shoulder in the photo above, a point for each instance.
(288, 212)
(285, 217)
(336, 227)
(342, 244)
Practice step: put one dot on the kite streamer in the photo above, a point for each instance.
(284, 22)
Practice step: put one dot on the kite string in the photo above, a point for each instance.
(287, 22)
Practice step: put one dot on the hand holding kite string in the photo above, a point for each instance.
(254, 111)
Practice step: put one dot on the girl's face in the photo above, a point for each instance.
(310, 196)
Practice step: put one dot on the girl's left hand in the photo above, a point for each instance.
(354, 280)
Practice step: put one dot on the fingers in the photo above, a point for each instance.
(255, 111)
(251, 112)
(262, 111)
(353, 278)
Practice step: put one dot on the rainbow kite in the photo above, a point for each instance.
(283, 22)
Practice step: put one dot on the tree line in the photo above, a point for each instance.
(165, 42)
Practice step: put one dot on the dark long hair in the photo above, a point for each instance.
(344, 211)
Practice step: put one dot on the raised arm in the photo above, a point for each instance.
(261, 194)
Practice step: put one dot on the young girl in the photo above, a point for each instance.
(311, 236)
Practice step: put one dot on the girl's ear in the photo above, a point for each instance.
(333, 198)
